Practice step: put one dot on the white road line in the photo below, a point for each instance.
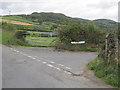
(67, 72)
(33, 58)
(29, 56)
(50, 65)
(39, 60)
(68, 68)
(44, 62)
(58, 69)
(52, 62)
(60, 65)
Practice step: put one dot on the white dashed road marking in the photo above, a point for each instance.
(39, 60)
(29, 56)
(33, 58)
(50, 65)
(60, 64)
(58, 69)
(44, 62)
(68, 68)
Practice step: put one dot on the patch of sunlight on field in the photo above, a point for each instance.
(41, 41)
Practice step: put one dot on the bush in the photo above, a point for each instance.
(75, 32)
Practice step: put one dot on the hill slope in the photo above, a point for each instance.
(62, 19)
(105, 23)
(58, 18)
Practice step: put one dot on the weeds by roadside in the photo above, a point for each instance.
(106, 72)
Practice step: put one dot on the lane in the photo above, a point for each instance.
(23, 69)
(71, 60)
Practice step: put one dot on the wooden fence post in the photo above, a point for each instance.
(106, 46)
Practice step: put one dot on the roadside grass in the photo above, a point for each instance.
(8, 38)
(8, 35)
(106, 72)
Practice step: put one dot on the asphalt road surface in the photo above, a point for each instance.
(34, 67)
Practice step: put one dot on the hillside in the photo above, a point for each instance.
(105, 23)
(47, 17)
(59, 19)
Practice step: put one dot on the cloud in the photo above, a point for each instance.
(88, 9)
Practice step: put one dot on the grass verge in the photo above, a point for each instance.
(108, 73)
(8, 35)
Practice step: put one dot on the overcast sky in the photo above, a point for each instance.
(87, 9)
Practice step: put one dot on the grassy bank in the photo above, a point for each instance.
(106, 72)
(9, 35)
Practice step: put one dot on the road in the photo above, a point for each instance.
(34, 67)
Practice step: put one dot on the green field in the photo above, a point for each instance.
(34, 32)
(43, 41)
(35, 28)
(18, 18)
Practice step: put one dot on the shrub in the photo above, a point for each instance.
(75, 32)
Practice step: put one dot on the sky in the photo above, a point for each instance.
(86, 9)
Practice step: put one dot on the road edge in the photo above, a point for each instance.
(89, 74)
